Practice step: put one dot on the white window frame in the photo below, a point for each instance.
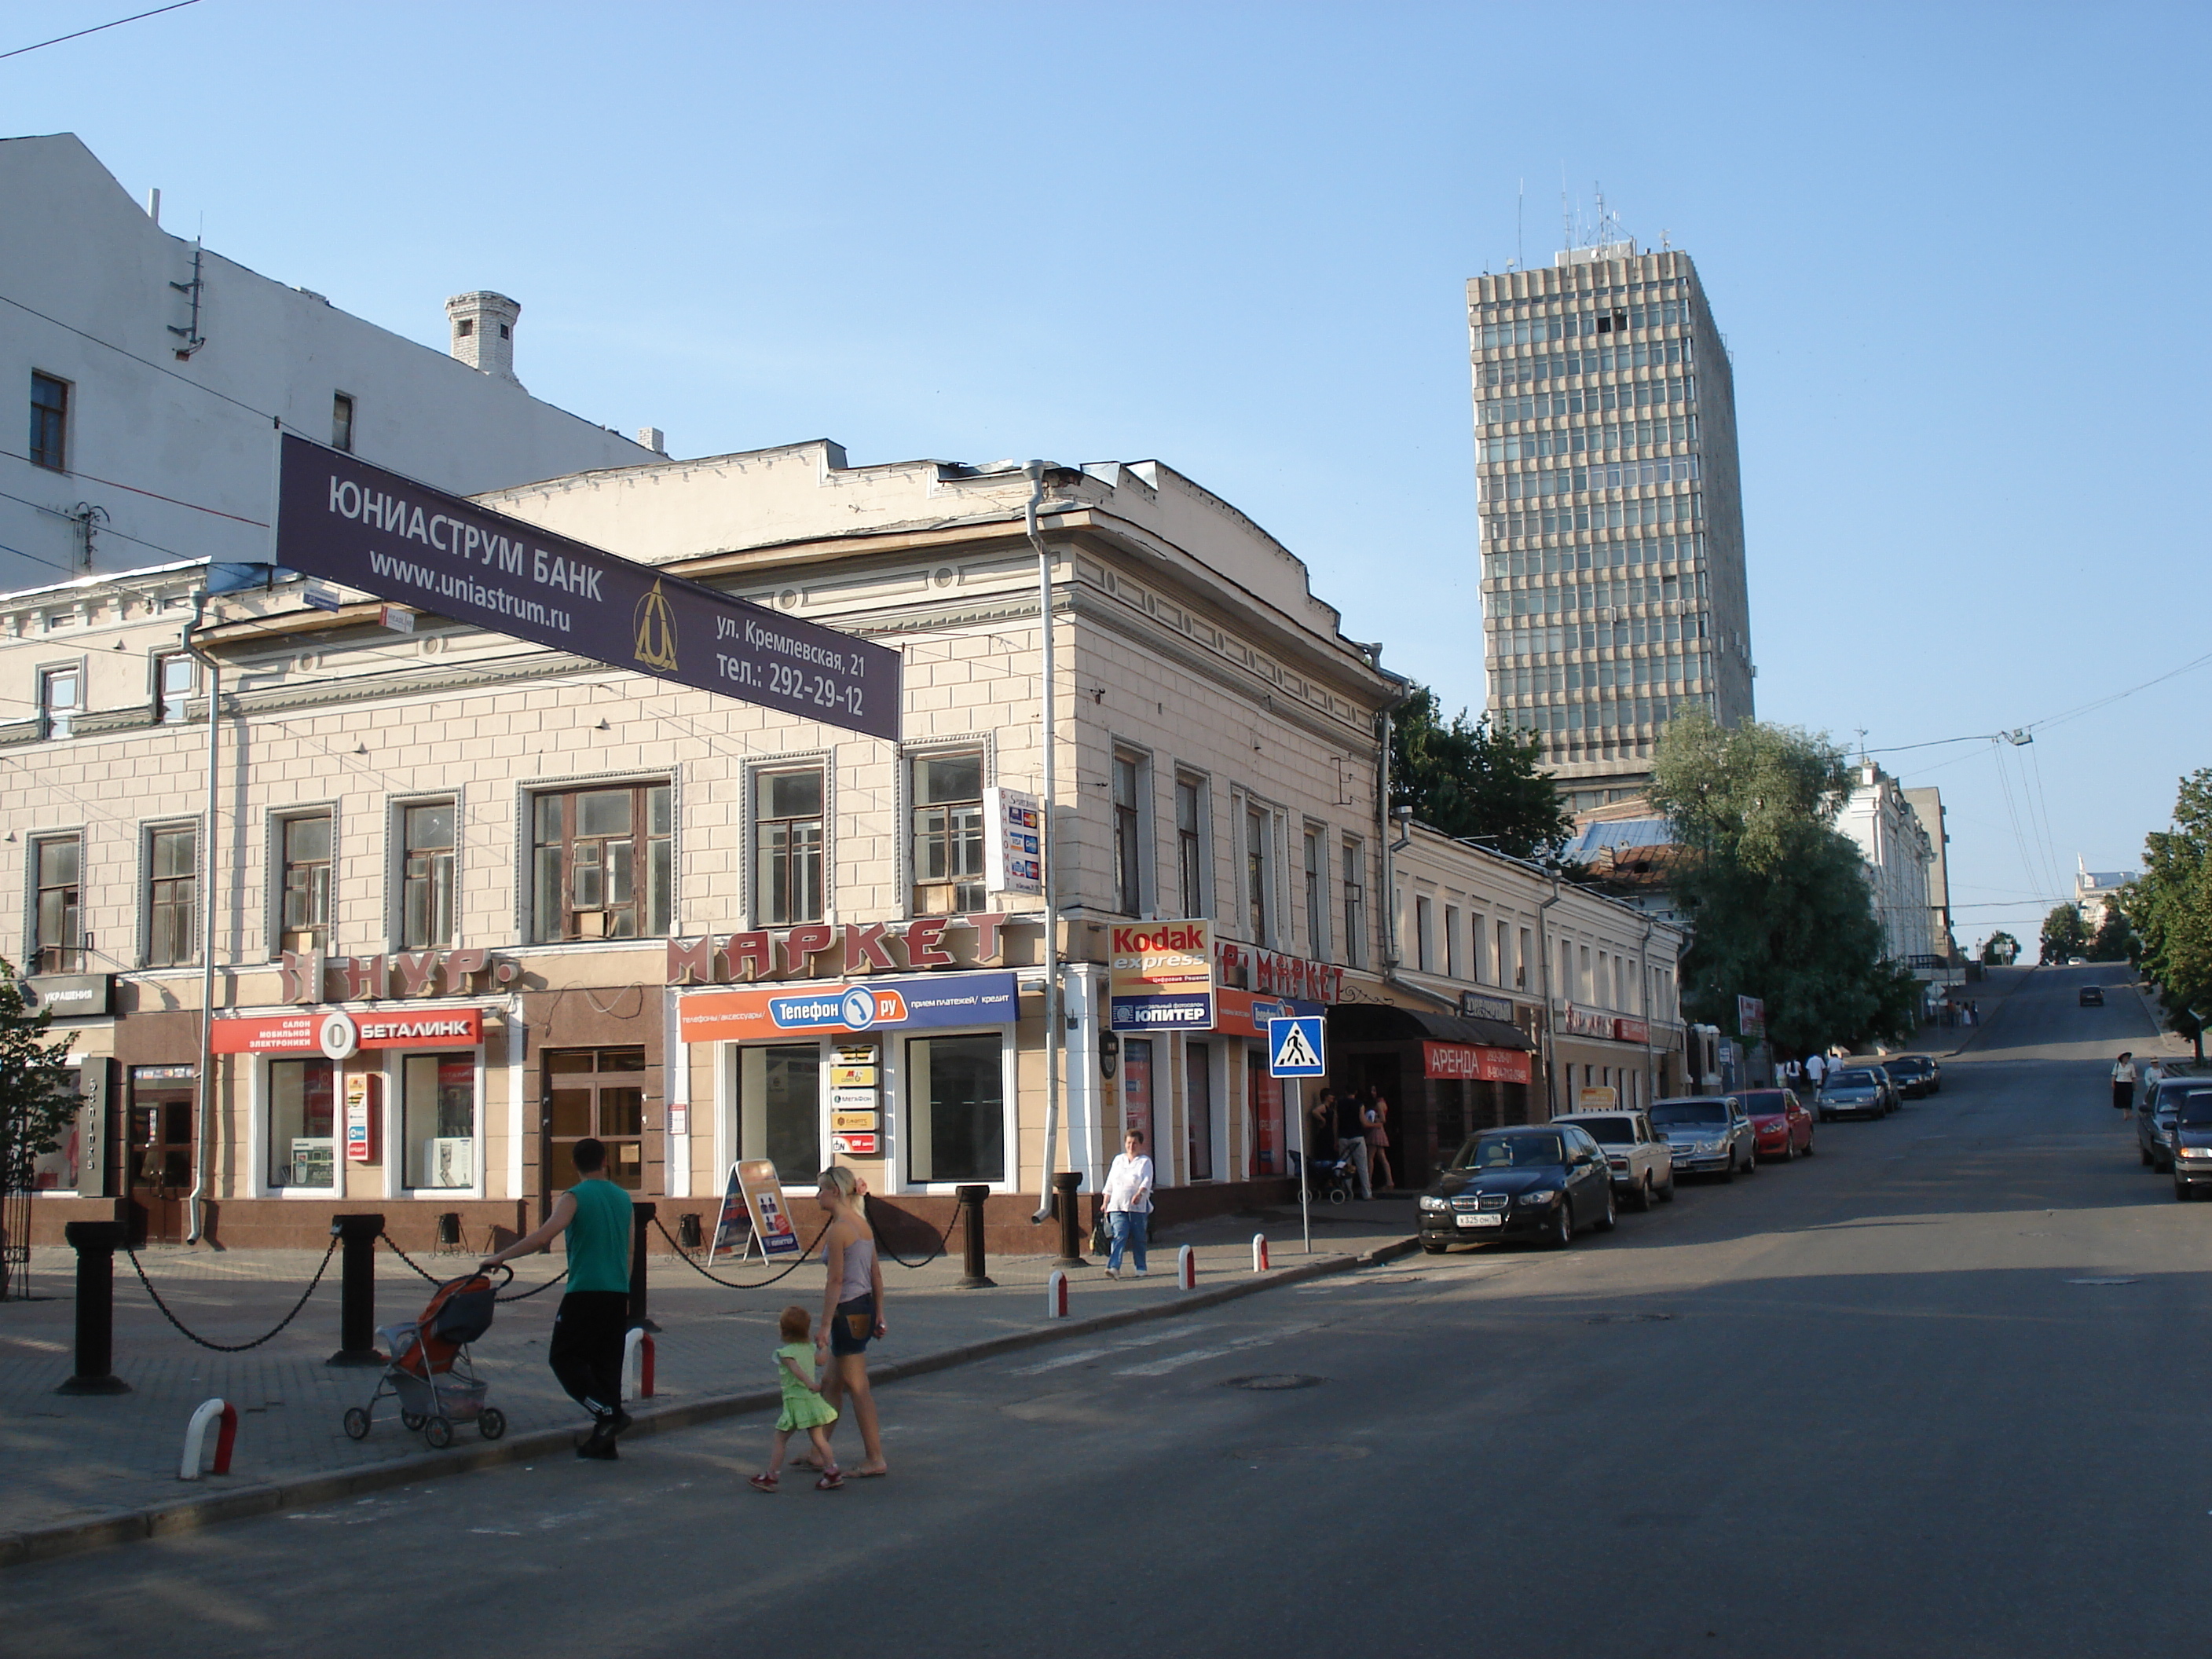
(825, 761)
(395, 1126)
(395, 863)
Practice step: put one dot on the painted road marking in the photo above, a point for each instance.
(1081, 1355)
(1174, 1362)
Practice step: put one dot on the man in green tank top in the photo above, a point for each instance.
(586, 1352)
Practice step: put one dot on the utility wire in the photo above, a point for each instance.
(125, 351)
(135, 17)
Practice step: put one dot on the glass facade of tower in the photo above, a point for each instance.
(1612, 527)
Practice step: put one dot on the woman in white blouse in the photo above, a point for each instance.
(1128, 1203)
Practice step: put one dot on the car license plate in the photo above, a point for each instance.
(1481, 1220)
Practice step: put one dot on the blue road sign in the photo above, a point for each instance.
(1296, 1046)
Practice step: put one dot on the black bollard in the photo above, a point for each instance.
(641, 1315)
(356, 1236)
(1064, 1183)
(95, 1243)
(972, 1276)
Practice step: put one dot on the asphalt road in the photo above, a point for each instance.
(1858, 1405)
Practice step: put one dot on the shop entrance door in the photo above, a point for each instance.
(1198, 1108)
(600, 1093)
(160, 1163)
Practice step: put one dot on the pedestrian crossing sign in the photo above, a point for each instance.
(1295, 1047)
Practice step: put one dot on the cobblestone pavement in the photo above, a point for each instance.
(70, 1458)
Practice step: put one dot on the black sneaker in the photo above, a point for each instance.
(599, 1449)
(616, 1424)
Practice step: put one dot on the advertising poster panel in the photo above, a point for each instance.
(1162, 975)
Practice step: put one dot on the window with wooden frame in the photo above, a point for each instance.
(790, 837)
(1191, 858)
(57, 945)
(304, 894)
(1130, 773)
(429, 839)
(50, 401)
(171, 894)
(603, 863)
(948, 833)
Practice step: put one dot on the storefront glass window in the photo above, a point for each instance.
(302, 1101)
(1136, 1069)
(1198, 1107)
(438, 1106)
(955, 1110)
(780, 1109)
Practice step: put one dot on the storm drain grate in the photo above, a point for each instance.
(1630, 1318)
(1267, 1382)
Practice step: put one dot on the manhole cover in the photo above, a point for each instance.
(2104, 1281)
(1266, 1382)
(1630, 1318)
(1321, 1454)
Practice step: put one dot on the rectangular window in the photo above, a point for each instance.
(1521, 963)
(59, 947)
(789, 834)
(779, 1108)
(1191, 860)
(171, 885)
(1198, 1107)
(599, 1092)
(176, 676)
(61, 697)
(427, 874)
(604, 865)
(342, 422)
(955, 1110)
(303, 1115)
(48, 421)
(1259, 876)
(948, 834)
(438, 1119)
(1355, 906)
(304, 859)
(1451, 941)
(1424, 933)
(1316, 896)
(1128, 834)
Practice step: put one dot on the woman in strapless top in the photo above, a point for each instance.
(852, 1312)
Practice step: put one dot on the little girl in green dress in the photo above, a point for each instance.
(804, 1407)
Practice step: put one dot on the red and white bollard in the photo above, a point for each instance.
(637, 1365)
(1055, 1296)
(1187, 1268)
(188, 1467)
(1259, 1253)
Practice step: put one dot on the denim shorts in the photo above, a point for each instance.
(853, 1326)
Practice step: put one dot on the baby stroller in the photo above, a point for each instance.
(1333, 1178)
(430, 1372)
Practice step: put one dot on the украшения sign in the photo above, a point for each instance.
(346, 521)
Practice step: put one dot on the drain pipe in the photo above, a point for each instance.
(1047, 845)
(203, 1136)
(1544, 962)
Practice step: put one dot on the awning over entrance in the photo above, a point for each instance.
(1374, 1022)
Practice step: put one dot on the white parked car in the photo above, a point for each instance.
(1642, 1161)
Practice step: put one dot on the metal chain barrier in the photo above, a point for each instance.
(938, 1255)
(409, 1260)
(730, 1284)
(231, 1348)
(524, 1296)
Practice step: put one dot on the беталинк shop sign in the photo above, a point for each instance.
(346, 521)
(1162, 976)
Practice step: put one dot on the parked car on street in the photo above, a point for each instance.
(1854, 1091)
(1915, 1075)
(1641, 1159)
(2154, 1124)
(1545, 1181)
(2092, 996)
(1781, 1128)
(2191, 1137)
(1711, 1135)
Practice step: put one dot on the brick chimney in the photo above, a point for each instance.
(484, 332)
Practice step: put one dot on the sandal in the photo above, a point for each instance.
(830, 1481)
(766, 1483)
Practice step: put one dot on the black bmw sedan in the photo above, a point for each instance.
(1545, 1181)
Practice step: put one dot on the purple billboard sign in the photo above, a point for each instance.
(345, 521)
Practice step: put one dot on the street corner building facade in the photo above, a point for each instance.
(347, 903)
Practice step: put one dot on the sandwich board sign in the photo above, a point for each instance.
(1296, 1046)
(753, 1199)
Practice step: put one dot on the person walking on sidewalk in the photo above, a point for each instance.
(804, 1408)
(852, 1312)
(1352, 1118)
(1128, 1203)
(585, 1353)
(2123, 1081)
(1378, 1139)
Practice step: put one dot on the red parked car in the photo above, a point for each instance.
(1781, 1128)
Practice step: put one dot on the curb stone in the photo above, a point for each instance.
(171, 1520)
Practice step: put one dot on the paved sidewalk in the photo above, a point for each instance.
(70, 1460)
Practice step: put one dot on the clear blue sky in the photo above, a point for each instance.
(1944, 243)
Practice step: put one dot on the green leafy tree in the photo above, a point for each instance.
(2114, 939)
(37, 1094)
(1470, 777)
(2170, 905)
(2064, 933)
(1777, 898)
(2000, 949)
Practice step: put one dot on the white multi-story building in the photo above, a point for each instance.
(152, 373)
(1899, 855)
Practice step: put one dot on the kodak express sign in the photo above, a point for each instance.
(1161, 977)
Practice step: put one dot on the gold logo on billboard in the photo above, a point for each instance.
(656, 631)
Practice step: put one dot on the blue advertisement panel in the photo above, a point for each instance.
(911, 1002)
